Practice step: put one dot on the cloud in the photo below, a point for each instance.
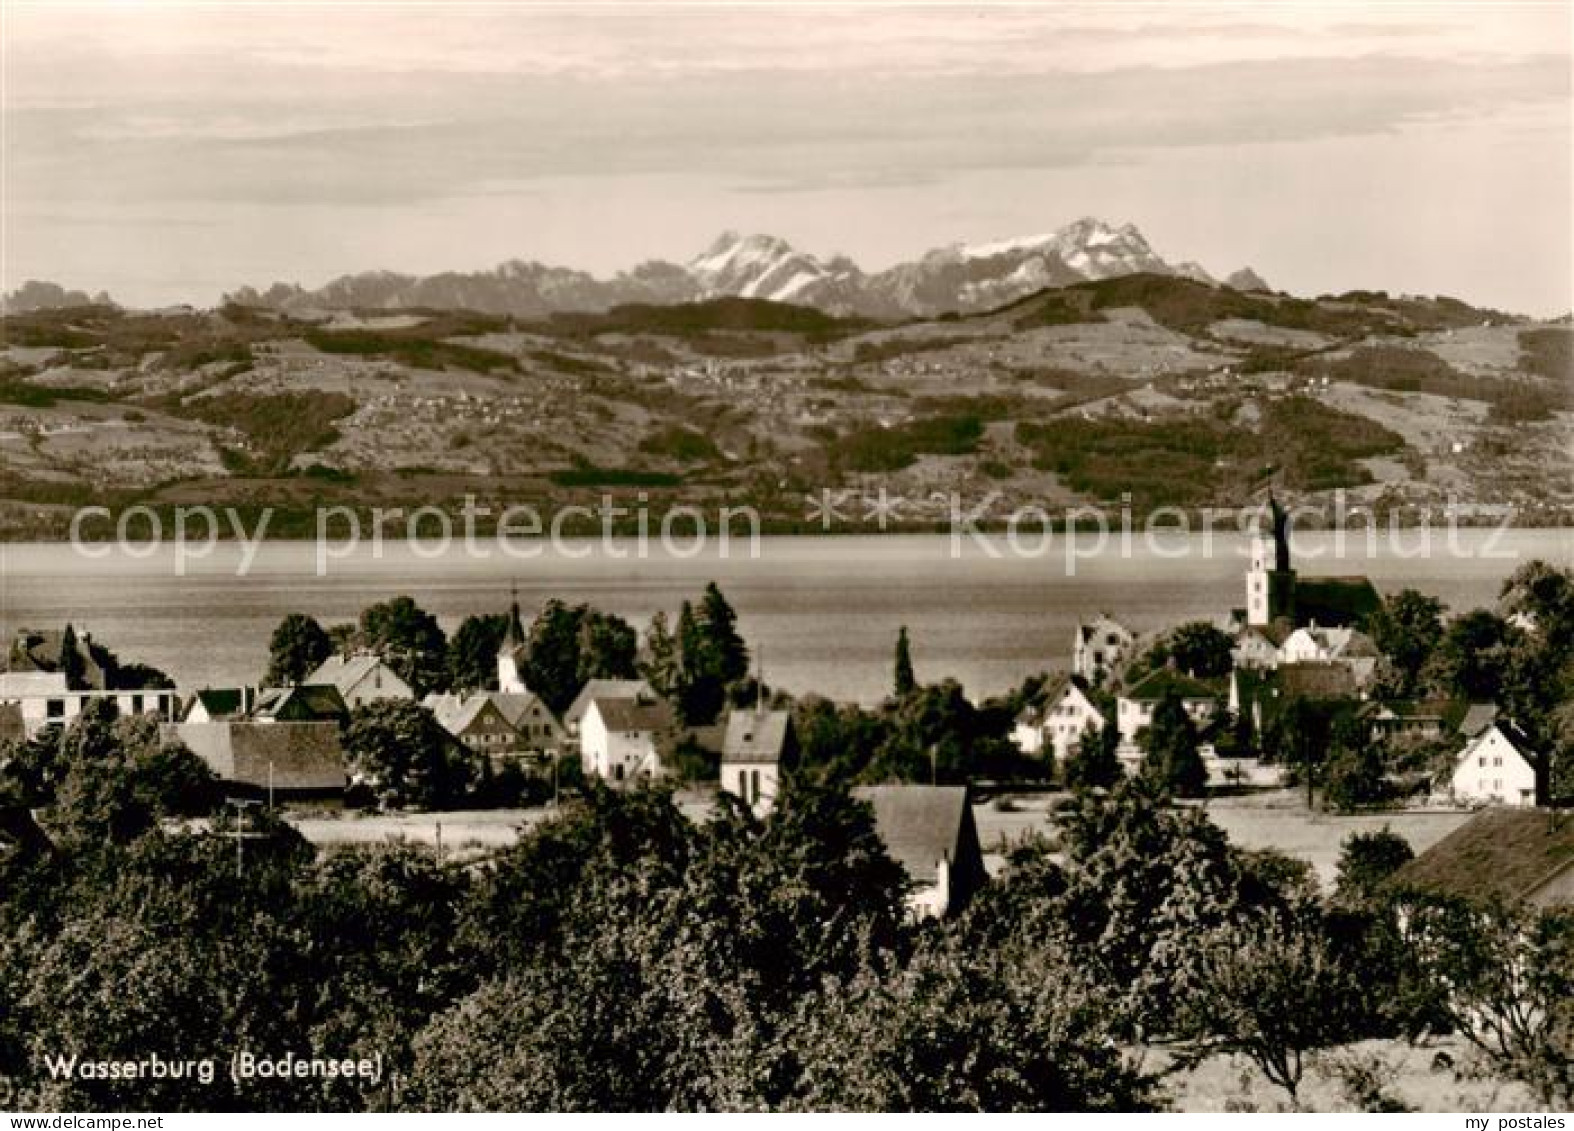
(764, 133)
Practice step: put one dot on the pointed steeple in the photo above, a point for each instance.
(511, 652)
(515, 635)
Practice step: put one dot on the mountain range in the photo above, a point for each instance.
(961, 278)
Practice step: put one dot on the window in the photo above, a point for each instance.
(55, 709)
(755, 787)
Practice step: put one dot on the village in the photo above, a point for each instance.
(1226, 710)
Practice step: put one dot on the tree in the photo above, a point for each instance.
(402, 754)
(1367, 860)
(718, 624)
(1201, 649)
(409, 640)
(1273, 991)
(1506, 976)
(1472, 658)
(570, 645)
(1092, 763)
(297, 647)
(905, 681)
(473, 649)
(608, 646)
(1407, 629)
(1172, 759)
(1357, 775)
(660, 664)
(71, 665)
(701, 689)
(113, 777)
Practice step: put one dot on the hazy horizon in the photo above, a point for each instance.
(168, 153)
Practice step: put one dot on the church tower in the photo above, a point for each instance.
(1270, 582)
(511, 653)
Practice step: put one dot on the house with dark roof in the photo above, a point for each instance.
(1415, 719)
(289, 762)
(929, 830)
(1264, 694)
(1503, 855)
(1499, 766)
(216, 704)
(624, 738)
(1134, 708)
(538, 728)
(44, 650)
(361, 678)
(302, 703)
(756, 746)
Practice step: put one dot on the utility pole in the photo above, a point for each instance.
(240, 805)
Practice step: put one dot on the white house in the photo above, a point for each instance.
(43, 699)
(1100, 648)
(361, 678)
(602, 689)
(1497, 767)
(1254, 648)
(1058, 720)
(621, 738)
(1134, 709)
(754, 749)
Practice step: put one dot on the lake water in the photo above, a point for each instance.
(825, 610)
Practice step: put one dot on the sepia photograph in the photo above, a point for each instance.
(707, 556)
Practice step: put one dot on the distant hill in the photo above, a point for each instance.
(36, 295)
(961, 278)
(1145, 384)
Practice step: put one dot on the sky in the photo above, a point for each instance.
(170, 152)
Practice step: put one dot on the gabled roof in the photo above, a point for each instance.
(40, 650)
(1161, 681)
(303, 703)
(1335, 600)
(457, 716)
(347, 672)
(921, 825)
(1506, 854)
(220, 702)
(757, 736)
(633, 713)
(605, 688)
(515, 705)
(1315, 679)
(292, 756)
(1517, 739)
(1478, 716)
(1103, 623)
(1050, 695)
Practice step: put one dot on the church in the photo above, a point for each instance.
(1277, 596)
